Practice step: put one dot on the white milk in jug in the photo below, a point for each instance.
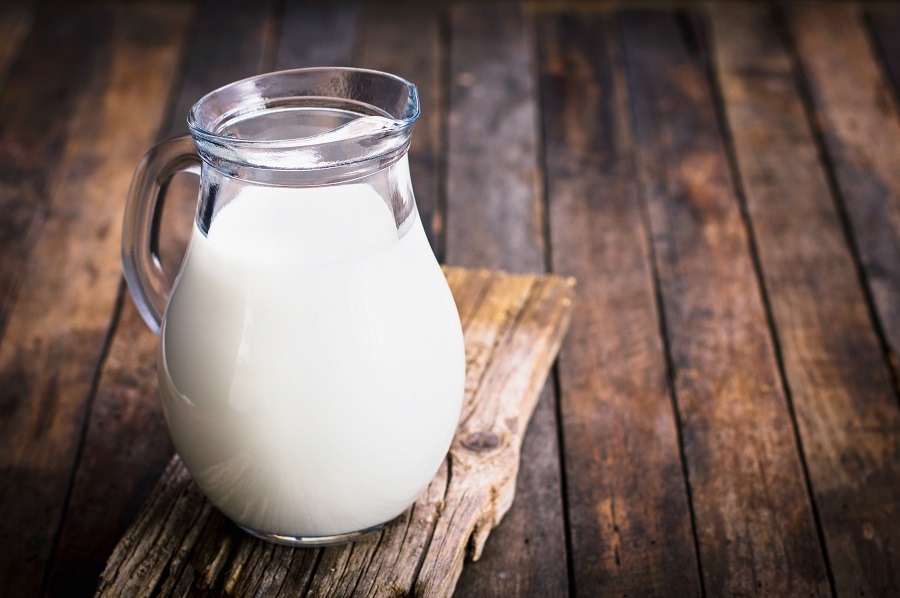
(311, 387)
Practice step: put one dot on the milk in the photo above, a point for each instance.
(311, 361)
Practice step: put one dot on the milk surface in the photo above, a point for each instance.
(311, 361)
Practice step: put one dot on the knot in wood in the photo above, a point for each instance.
(481, 441)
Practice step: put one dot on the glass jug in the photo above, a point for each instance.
(311, 360)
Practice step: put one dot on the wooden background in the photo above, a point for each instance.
(722, 179)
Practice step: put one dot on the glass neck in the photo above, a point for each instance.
(323, 166)
(390, 180)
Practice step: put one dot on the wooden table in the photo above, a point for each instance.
(723, 180)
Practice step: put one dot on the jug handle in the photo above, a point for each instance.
(148, 283)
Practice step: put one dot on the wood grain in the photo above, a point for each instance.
(840, 384)
(495, 219)
(860, 125)
(753, 517)
(405, 40)
(36, 102)
(513, 325)
(629, 516)
(126, 445)
(57, 330)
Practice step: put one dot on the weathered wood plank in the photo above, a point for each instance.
(57, 330)
(495, 219)
(16, 19)
(840, 384)
(860, 125)
(629, 516)
(494, 204)
(753, 517)
(405, 40)
(513, 327)
(317, 34)
(36, 101)
(127, 446)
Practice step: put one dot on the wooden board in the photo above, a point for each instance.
(513, 326)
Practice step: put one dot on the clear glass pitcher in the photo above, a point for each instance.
(311, 360)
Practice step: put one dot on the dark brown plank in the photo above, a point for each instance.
(57, 329)
(840, 385)
(405, 40)
(36, 101)
(317, 34)
(753, 517)
(860, 126)
(495, 219)
(126, 446)
(16, 19)
(627, 502)
(495, 214)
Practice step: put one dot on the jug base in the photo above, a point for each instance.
(312, 541)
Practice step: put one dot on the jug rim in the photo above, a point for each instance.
(206, 132)
(356, 121)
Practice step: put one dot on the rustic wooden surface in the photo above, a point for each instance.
(722, 179)
(513, 326)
